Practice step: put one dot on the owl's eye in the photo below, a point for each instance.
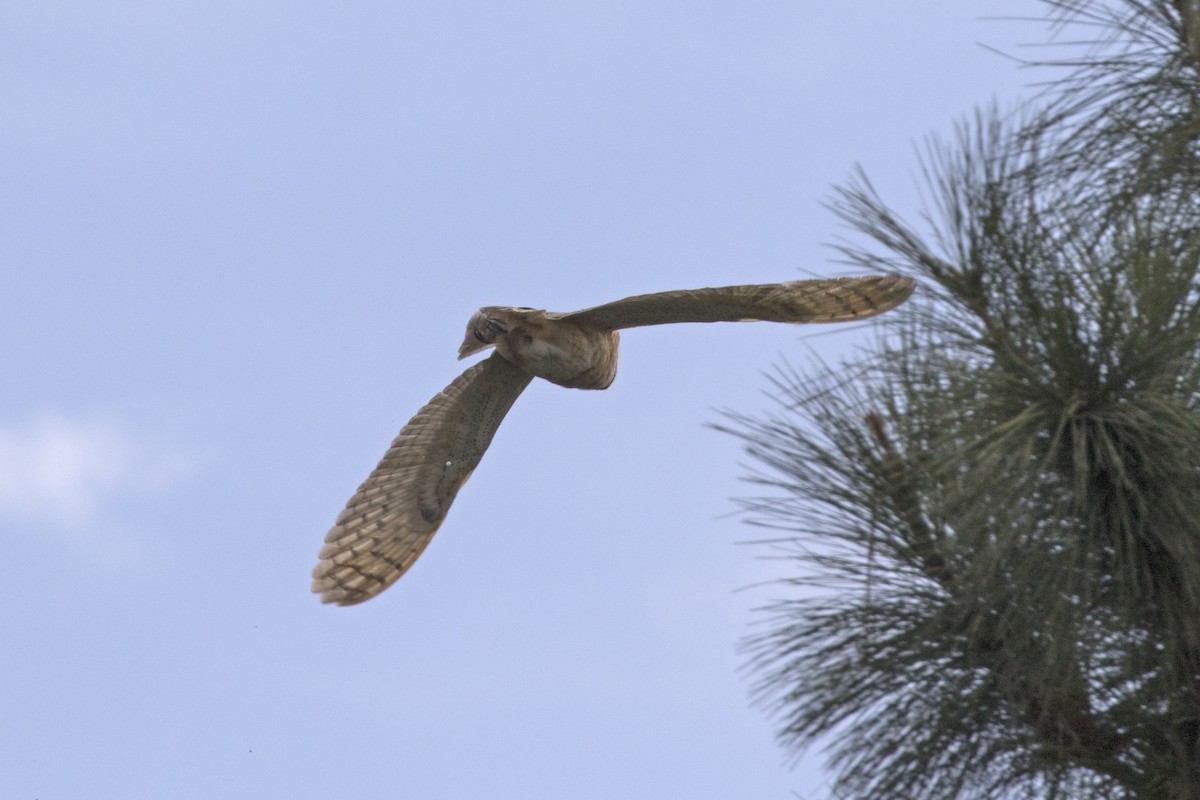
(527, 339)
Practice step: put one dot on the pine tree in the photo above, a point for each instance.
(994, 517)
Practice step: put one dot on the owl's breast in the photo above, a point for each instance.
(564, 353)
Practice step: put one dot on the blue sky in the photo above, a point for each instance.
(238, 246)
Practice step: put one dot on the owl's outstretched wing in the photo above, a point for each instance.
(396, 511)
(822, 300)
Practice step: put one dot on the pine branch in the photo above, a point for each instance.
(993, 517)
(1060, 719)
(902, 494)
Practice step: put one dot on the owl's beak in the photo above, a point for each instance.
(470, 347)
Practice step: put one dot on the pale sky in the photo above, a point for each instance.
(239, 243)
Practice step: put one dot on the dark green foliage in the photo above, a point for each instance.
(997, 514)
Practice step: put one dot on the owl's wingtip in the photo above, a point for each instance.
(904, 284)
(341, 586)
(334, 595)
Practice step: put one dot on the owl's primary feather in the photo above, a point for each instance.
(395, 512)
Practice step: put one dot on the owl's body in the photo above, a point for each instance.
(546, 346)
(395, 512)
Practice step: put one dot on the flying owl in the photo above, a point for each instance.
(395, 512)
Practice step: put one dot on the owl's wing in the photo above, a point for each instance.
(823, 300)
(396, 511)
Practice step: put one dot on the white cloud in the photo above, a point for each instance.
(62, 471)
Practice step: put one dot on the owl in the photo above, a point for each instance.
(395, 512)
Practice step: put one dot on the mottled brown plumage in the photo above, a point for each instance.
(395, 512)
